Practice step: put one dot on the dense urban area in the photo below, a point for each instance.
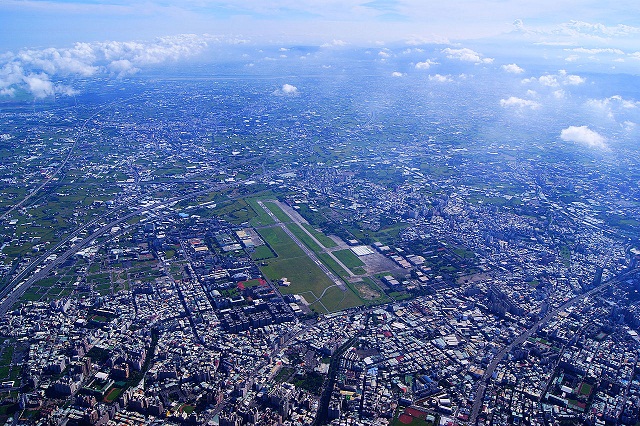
(234, 251)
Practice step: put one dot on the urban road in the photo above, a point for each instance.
(16, 289)
(66, 158)
(483, 382)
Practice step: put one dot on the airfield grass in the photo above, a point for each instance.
(336, 299)
(235, 211)
(333, 265)
(370, 292)
(305, 276)
(262, 253)
(277, 211)
(386, 234)
(293, 264)
(295, 229)
(304, 237)
(324, 240)
(261, 218)
(348, 258)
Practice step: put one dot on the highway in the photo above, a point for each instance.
(16, 289)
(482, 383)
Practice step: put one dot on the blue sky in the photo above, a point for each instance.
(45, 44)
(549, 56)
(45, 23)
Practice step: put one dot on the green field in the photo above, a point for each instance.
(305, 276)
(348, 258)
(324, 240)
(262, 253)
(113, 394)
(277, 211)
(300, 233)
(304, 237)
(261, 218)
(369, 292)
(333, 265)
(336, 299)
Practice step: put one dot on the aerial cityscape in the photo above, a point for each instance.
(360, 224)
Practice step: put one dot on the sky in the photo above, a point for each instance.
(46, 44)
(56, 23)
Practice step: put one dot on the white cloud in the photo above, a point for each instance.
(286, 90)
(598, 29)
(597, 51)
(513, 69)
(466, 55)
(548, 80)
(39, 85)
(384, 54)
(334, 43)
(612, 105)
(289, 89)
(520, 103)
(396, 74)
(62, 89)
(122, 67)
(409, 51)
(605, 39)
(582, 135)
(440, 78)
(552, 80)
(421, 40)
(425, 65)
(574, 80)
(40, 71)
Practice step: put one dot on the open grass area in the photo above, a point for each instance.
(585, 389)
(262, 253)
(188, 409)
(253, 283)
(304, 237)
(7, 355)
(7, 371)
(336, 299)
(411, 416)
(464, 253)
(261, 218)
(113, 394)
(293, 264)
(280, 242)
(277, 211)
(333, 265)
(302, 272)
(234, 210)
(305, 276)
(369, 291)
(348, 258)
(300, 233)
(324, 240)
